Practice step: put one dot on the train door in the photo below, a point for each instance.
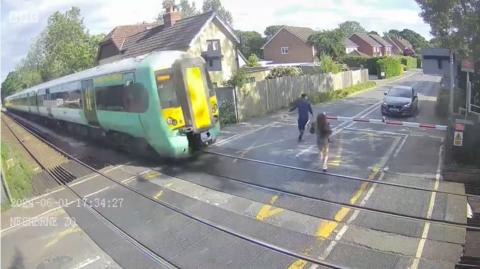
(89, 108)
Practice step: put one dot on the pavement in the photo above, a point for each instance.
(275, 194)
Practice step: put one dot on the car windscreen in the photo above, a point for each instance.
(400, 92)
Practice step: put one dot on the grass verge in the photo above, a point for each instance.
(322, 97)
(18, 174)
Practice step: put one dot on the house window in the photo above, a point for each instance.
(284, 50)
(213, 45)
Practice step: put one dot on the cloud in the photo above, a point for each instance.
(23, 20)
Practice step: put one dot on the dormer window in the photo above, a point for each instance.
(213, 45)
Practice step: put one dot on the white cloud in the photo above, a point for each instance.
(23, 20)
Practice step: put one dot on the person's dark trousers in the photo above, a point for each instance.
(301, 127)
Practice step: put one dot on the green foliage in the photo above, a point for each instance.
(64, 47)
(227, 113)
(187, 9)
(271, 30)
(329, 43)
(418, 41)
(252, 60)
(328, 65)
(408, 61)
(216, 5)
(251, 42)
(338, 94)
(359, 61)
(454, 24)
(238, 79)
(391, 66)
(441, 107)
(286, 71)
(351, 27)
(11, 84)
(17, 174)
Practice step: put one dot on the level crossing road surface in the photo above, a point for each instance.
(258, 182)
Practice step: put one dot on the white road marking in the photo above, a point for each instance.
(431, 205)
(397, 151)
(97, 192)
(231, 138)
(86, 262)
(94, 176)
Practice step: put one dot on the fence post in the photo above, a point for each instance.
(237, 118)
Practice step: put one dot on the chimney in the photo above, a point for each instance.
(171, 16)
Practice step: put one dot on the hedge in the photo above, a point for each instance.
(409, 62)
(366, 62)
(390, 66)
(321, 97)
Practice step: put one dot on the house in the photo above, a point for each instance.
(112, 44)
(396, 49)
(402, 43)
(350, 46)
(204, 35)
(366, 44)
(290, 45)
(386, 47)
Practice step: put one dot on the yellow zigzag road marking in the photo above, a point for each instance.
(267, 211)
(326, 227)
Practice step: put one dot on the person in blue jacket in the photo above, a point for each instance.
(304, 107)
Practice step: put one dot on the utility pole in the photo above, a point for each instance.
(452, 84)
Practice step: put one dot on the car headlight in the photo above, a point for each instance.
(407, 105)
(384, 104)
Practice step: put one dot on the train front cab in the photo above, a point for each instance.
(188, 103)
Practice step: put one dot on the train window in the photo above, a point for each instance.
(166, 90)
(125, 98)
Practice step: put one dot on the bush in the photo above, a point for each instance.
(227, 113)
(441, 107)
(284, 71)
(409, 62)
(333, 95)
(390, 66)
(359, 61)
(328, 65)
(252, 60)
(238, 79)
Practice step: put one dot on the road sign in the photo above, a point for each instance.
(468, 65)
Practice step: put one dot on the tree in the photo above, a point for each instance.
(373, 33)
(271, 30)
(251, 42)
(418, 41)
(187, 9)
(216, 5)
(283, 71)
(351, 27)
(252, 60)
(328, 65)
(63, 47)
(455, 24)
(329, 43)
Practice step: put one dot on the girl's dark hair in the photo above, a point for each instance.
(322, 125)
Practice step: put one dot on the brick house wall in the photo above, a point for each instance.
(298, 51)
(365, 47)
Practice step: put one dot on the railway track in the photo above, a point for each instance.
(64, 178)
(67, 178)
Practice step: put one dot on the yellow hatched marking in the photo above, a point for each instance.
(158, 194)
(268, 210)
(298, 264)
(151, 174)
(63, 234)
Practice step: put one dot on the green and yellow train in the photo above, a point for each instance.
(162, 101)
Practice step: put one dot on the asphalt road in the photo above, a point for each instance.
(301, 211)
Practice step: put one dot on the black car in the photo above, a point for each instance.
(400, 101)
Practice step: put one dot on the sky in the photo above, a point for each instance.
(23, 20)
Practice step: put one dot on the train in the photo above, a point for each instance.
(163, 101)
